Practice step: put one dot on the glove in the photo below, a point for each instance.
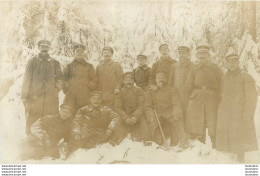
(76, 137)
(116, 91)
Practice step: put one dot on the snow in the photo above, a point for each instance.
(131, 28)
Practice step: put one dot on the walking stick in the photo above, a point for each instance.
(159, 124)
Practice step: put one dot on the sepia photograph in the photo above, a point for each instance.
(129, 82)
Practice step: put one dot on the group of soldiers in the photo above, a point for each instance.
(171, 103)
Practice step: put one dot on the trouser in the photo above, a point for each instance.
(203, 137)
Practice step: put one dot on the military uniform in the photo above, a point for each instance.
(109, 74)
(80, 79)
(141, 76)
(128, 103)
(39, 90)
(91, 124)
(164, 64)
(236, 131)
(204, 84)
(166, 103)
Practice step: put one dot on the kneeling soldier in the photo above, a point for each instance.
(129, 105)
(93, 124)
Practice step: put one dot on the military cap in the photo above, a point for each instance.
(108, 48)
(96, 94)
(162, 46)
(232, 56)
(160, 73)
(44, 42)
(66, 106)
(183, 48)
(140, 56)
(77, 46)
(128, 73)
(202, 48)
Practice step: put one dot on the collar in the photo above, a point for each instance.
(83, 62)
(165, 58)
(233, 73)
(144, 67)
(110, 61)
(48, 58)
(92, 108)
(186, 64)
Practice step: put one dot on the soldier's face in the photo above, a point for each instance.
(141, 61)
(128, 80)
(203, 57)
(184, 56)
(65, 113)
(44, 49)
(96, 101)
(79, 54)
(160, 80)
(107, 54)
(232, 64)
(164, 50)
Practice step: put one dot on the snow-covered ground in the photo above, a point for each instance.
(12, 122)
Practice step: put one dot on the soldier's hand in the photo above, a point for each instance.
(176, 118)
(116, 91)
(133, 120)
(153, 87)
(128, 121)
(108, 132)
(24, 102)
(112, 125)
(77, 137)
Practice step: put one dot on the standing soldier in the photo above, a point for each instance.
(141, 73)
(164, 104)
(109, 74)
(235, 125)
(164, 64)
(93, 124)
(178, 76)
(80, 80)
(129, 105)
(41, 85)
(204, 90)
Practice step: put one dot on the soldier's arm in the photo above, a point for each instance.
(118, 104)
(76, 123)
(93, 78)
(66, 78)
(251, 96)
(58, 72)
(119, 76)
(153, 74)
(148, 107)
(189, 83)
(27, 80)
(220, 77)
(139, 112)
(97, 75)
(176, 103)
(114, 119)
(171, 76)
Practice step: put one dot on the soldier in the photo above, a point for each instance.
(235, 125)
(129, 105)
(178, 76)
(109, 74)
(41, 85)
(141, 73)
(80, 80)
(203, 89)
(164, 102)
(93, 124)
(49, 130)
(164, 64)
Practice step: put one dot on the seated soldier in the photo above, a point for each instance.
(163, 105)
(129, 105)
(93, 124)
(46, 133)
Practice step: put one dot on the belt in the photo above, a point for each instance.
(205, 88)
